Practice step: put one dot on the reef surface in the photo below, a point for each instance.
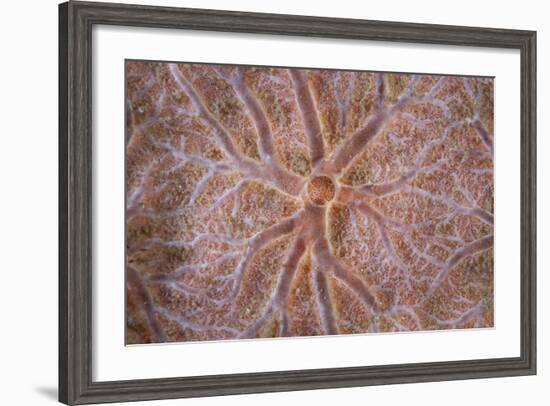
(271, 202)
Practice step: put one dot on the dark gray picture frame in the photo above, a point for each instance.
(76, 20)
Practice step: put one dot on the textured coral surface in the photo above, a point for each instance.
(267, 202)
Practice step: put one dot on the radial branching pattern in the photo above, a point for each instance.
(267, 202)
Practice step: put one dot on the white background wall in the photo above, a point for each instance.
(28, 200)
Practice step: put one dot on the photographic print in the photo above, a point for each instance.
(267, 202)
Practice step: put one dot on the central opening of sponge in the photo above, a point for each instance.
(320, 190)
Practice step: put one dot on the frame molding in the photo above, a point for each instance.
(76, 20)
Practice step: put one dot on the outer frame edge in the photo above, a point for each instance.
(64, 368)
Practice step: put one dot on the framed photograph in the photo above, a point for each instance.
(257, 202)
